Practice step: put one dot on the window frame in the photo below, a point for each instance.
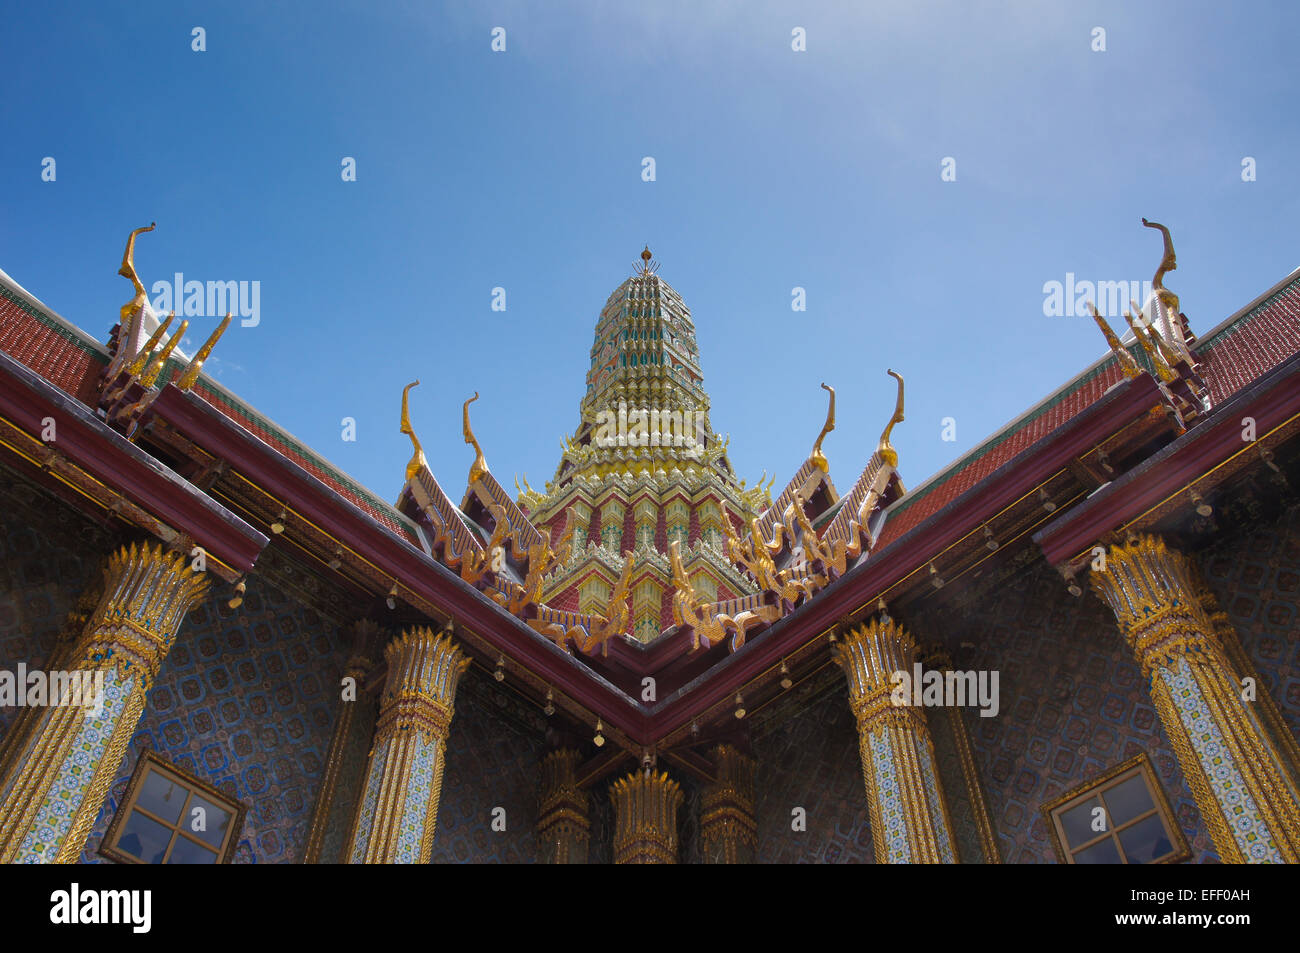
(1137, 766)
(152, 761)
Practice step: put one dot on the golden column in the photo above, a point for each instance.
(1238, 779)
(563, 827)
(645, 812)
(352, 690)
(59, 773)
(398, 808)
(727, 827)
(908, 814)
(1279, 733)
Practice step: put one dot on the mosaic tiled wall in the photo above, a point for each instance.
(350, 778)
(811, 761)
(47, 558)
(1073, 704)
(493, 752)
(1256, 578)
(245, 701)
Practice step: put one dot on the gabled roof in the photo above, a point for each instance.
(1248, 344)
(72, 360)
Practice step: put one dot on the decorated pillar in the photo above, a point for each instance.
(1278, 732)
(727, 827)
(909, 817)
(60, 770)
(352, 696)
(563, 824)
(645, 818)
(1236, 776)
(398, 808)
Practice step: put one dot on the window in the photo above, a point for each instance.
(168, 817)
(1121, 817)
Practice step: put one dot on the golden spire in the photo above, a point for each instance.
(417, 458)
(648, 267)
(156, 365)
(818, 458)
(480, 466)
(191, 374)
(141, 359)
(885, 449)
(1125, 359)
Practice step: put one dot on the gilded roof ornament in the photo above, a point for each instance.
(885, 448)
(417, 458)
(648, 267)
(1167, 263)
(191, 375)
(1125, 359)
(156, 365)
(138, 364)
(818, 458)
(136, 304)
(479, 466)
(1163, 370)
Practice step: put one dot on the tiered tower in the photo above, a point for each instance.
(644, 467)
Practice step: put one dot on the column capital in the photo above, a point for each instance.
(870, 656)
(145, 596)
(645, 811)
(419, 695)
(1150, 586)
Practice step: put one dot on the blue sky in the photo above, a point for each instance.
(522, 169)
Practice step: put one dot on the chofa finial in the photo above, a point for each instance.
(818, 458)
(479, 467)
(417, 458)
(885, 448)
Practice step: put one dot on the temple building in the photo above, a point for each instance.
(1077, 643)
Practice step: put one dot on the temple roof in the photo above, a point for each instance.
(1239, 350)
(907, 531)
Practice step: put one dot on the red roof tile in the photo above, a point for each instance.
(49, 349)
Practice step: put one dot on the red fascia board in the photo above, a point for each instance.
(1274, 398)
(1123, 404)
(26, 399)
(341, 518)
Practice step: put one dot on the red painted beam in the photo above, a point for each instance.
(1271, 400)
(27, 399)
(644, 724)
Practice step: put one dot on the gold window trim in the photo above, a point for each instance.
(151, 760)
(1137, 765)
